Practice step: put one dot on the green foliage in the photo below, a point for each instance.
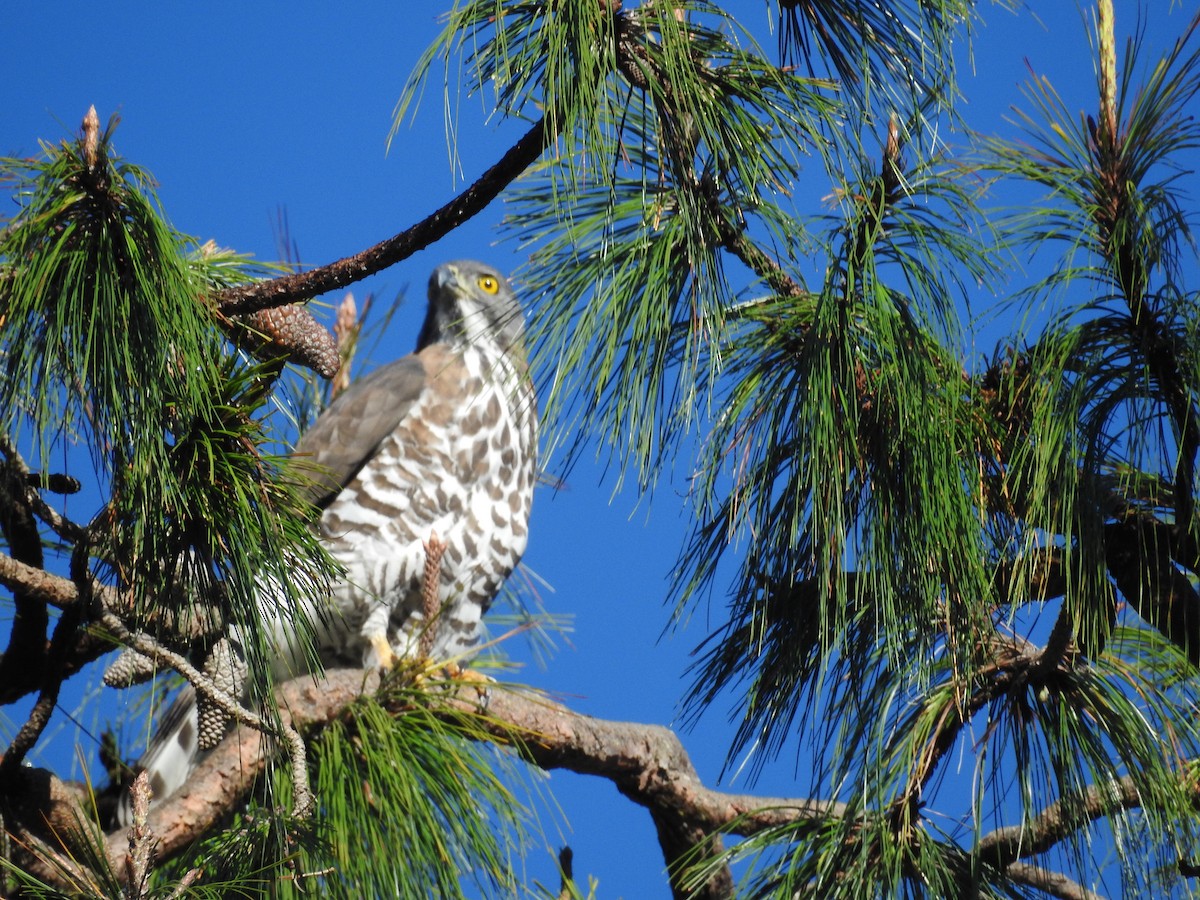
(98, 299)
(927, 559)
(897, 523)
(881, 54)
(412, 804)
(109, 339)
(651, 224)
(845, 447)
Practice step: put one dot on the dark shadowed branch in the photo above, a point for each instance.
(304, 285)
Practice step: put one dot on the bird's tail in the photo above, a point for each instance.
(173, 752)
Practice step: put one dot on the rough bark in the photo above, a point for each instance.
(647, 763)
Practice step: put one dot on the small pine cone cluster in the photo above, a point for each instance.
(227, 669)
(294, 330)
(128, 669)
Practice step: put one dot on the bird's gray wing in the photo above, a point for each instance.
(348, 433)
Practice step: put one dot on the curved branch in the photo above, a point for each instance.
(647, 763)
(249, 298)
(1004, 846)
(61, 593)
(205, 687)
(225, 777)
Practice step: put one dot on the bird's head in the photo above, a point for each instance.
(470, 301)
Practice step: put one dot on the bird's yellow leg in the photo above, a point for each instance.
(383, 650)
(455, 672)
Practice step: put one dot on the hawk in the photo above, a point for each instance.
(441, 444)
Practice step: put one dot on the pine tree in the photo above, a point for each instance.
(952, 577)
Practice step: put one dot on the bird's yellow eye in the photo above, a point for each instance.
(489, 284)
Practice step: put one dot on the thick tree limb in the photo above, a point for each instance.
(647, 763)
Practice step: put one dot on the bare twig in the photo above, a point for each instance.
(185, 883)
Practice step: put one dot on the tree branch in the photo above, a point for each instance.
(249, 298)
(1053, 883)
(37, 583)
(647, 763)
(205, 688)
(61, 593)
(225, 777)
(1004, 846)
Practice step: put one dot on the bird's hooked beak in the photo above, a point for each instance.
(444, 276)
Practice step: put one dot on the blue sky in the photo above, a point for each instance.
(243, 110)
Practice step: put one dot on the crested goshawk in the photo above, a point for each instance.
(440, 444)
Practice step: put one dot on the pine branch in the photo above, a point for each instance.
(1059, 820)
(1055, 884)
(647, 763)
(206, 689)
(246, 299)
(1014, 664)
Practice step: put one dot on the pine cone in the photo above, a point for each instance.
(227, 670)
(128, 669)
(294, 330)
